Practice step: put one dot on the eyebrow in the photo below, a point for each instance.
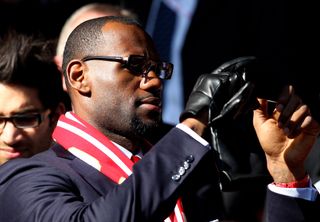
(26, 110)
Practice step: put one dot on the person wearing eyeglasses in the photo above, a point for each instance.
(31, 96)
(90, 11)
(114, 78)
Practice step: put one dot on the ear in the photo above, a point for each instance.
(54, 115)
(77, 76)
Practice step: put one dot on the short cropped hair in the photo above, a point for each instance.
(87, 38)
(27, 60)
(77, 17)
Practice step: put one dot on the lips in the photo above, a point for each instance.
(14, 150)
(10, 153)
(152, 103)
(151, 100)
(7, 149)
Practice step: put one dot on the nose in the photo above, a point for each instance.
(10, 134)
(150, 81)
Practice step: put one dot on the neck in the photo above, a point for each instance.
(128, 141)
(133, 145)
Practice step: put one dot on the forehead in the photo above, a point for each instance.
(123, 39)
(15, 98)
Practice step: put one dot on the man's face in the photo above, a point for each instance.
(124, 102)
(22, 102)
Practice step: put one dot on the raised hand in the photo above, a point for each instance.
(286, 135)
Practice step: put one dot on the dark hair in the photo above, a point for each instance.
(87, 37)
(27, 60)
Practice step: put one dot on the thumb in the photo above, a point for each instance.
(260, 115)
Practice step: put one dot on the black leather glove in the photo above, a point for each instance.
(227, 94)
(207, 92)
(224, 92)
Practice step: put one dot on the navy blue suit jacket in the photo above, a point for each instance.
(57, 186)
(280, 208)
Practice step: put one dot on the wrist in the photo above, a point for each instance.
(196, 125)
(295, 184)
(282, 173)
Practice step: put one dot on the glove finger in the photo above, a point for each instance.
(243, 101)
(235, 64)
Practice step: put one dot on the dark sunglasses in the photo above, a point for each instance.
(22, 121)
(138, 65)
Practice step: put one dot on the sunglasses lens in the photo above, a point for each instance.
(164, 70)
(137, 64)
(26, 121)
(140, 65)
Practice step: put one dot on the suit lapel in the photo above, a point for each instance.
(95, 179)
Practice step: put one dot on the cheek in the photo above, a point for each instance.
(117, 91)
(41, 138)
(115, 96)
(45, 129)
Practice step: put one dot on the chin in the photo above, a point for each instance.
(143, 127)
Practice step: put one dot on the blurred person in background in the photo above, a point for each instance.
(31, 95)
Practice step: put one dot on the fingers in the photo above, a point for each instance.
(260, 114)
(292, 114)
(288, 102)
(300, 118)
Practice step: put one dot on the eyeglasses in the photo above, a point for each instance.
(22, 121)
(138, 65)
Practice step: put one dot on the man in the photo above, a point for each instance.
(114, 79)
(90, 11)
(31, 96)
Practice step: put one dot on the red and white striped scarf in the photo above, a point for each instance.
(94, 148)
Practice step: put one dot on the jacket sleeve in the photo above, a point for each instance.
(281, 208)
